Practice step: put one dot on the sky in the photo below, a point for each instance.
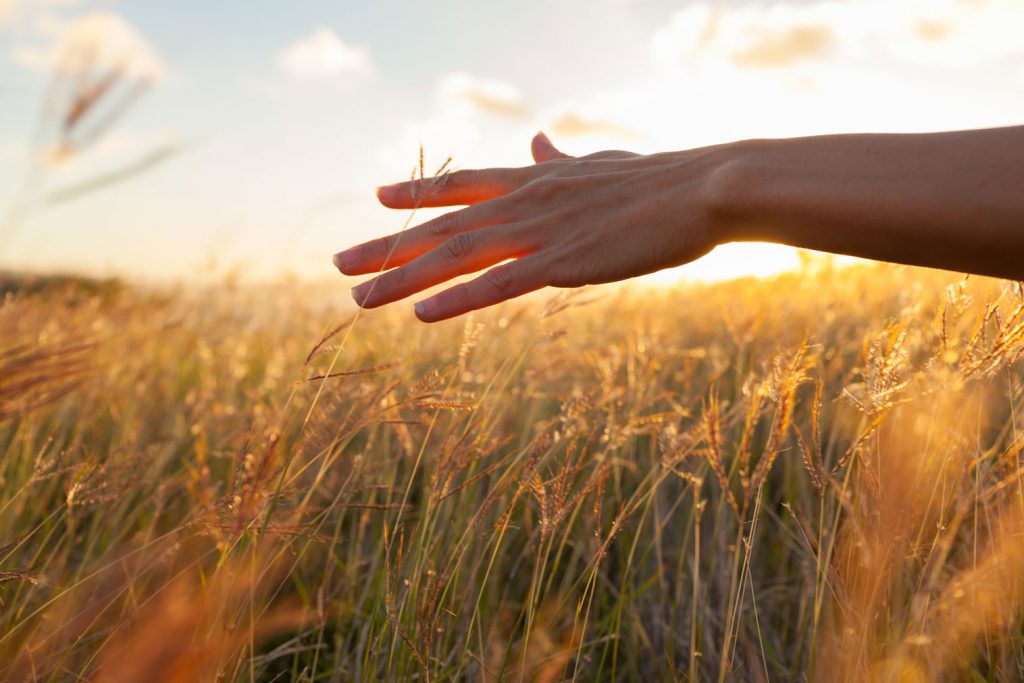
(254, 132)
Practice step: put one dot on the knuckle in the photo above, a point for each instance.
(445, 225)
(560, 167)
(463, 296)
(531, 190)
(499, 279)
(458, 246)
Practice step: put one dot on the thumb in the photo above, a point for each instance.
(543, 150)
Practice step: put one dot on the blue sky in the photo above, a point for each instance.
(288, 113)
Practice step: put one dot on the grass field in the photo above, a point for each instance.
(815, 476)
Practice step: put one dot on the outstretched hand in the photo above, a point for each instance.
(562, 222)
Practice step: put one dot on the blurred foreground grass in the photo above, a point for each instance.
(812, 475)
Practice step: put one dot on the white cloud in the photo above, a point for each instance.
(96, 43)
(323, 55)
(484, 95)
(947, 33)
(576, 122)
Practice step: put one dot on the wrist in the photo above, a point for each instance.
(733, 189)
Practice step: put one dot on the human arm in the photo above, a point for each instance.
(949, 200)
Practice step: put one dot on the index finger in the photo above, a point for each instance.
(455, 189)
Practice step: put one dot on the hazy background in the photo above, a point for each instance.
(280, 117)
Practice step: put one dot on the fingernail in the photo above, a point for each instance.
(385, 192)
(425, 308)
(345, 260)
(359, 293)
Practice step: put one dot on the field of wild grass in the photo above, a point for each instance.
(810, 477)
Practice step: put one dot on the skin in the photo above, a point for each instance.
(947, 200)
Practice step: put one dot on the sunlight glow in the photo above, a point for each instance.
(731, 261)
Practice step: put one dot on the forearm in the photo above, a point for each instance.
(945, 200)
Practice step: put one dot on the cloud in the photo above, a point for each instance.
(483, 95)
(96, 43)
(932, 30)
(572, 123)
(688, 32)
(323, 55)
(942, 33)
(960, 34)
(783, 48)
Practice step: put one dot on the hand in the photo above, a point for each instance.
(562, 222)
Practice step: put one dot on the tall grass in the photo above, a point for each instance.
(815, 476)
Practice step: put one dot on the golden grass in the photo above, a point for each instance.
(816, 476)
